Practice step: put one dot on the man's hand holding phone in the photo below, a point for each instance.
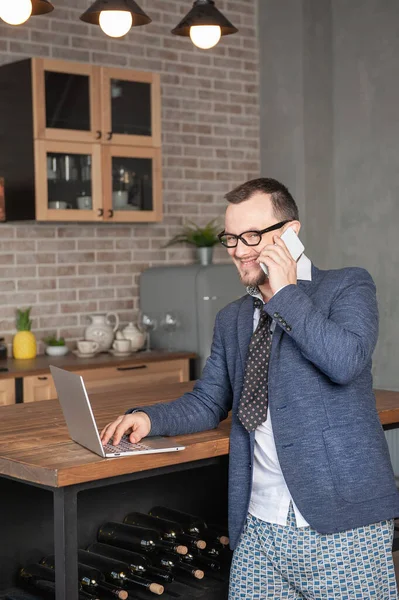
(281, 266)
(137, 425)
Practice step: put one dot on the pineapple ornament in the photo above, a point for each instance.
(24, 342)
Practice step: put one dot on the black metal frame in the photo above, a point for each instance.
(65, 517)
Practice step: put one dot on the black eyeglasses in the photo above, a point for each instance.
(249, 238)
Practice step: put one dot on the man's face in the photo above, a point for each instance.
(251, 215)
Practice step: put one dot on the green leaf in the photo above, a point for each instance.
(195, 235)
(52, 340)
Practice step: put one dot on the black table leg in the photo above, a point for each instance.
(66, 543)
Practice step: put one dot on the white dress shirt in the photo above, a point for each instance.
(270, 498)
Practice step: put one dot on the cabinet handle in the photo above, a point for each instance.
(131, 368)
(99, 135)
(110, 134)
(100, 212)
(42, 378)
(110, 213)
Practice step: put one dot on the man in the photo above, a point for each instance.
(312, 494)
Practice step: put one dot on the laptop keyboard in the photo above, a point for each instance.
(125, 446)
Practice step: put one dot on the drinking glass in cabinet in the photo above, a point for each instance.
(131, 107)
(69, 181)
(67, 101)
(132, 183)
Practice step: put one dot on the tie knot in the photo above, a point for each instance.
(258, 303)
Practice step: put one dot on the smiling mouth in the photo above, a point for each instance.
(249, 263)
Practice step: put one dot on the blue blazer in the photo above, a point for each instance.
(330, 443)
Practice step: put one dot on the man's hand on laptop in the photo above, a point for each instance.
(136, 425)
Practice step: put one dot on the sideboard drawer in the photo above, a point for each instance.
(136, 375)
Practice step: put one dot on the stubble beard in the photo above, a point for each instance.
(254, 280)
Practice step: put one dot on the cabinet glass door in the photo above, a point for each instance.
(133, 183)
(70, 181)
(66, 100)
(131, 103)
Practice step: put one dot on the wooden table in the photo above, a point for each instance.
(35, 448)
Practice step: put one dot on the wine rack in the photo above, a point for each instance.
(199, 487)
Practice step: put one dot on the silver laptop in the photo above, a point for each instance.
(82, 426)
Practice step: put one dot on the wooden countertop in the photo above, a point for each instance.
(41, 364)
(35, 446)
(387, 406)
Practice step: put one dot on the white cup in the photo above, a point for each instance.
(121, 345)
(84, 202)
(119, 199)
(87, 347)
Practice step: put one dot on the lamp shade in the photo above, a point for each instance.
(204, 12)
(41, 7)
(92, 14)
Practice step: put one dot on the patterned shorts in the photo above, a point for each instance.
(276, 561)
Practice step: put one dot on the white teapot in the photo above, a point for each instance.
(101, 331)
(136, 337)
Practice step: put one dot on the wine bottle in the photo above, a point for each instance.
(168, 530)
(92, 579)
(218, 535)
(201, 561)
(132, 537)
(41, 579)
(171, 562)
(138, 563)
(192, 525)
(116, 570)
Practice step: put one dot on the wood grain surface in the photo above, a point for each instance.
(35, 445)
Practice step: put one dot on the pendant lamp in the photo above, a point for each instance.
(16, 12)
(115, 17)
(204, 24)
(41, 7)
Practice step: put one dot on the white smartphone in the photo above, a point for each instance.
(293, 244)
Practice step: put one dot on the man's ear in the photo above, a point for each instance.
(295, 225)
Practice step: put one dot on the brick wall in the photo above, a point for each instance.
(210, 123)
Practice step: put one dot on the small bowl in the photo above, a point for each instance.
(57, 350)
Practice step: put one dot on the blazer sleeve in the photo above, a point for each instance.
(204, 407)
(341, 344)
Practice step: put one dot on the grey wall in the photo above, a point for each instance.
(330, 131)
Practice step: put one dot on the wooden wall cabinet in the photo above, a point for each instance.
(80, 142)
(7, 391)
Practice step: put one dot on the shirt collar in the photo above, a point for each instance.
(303, 271)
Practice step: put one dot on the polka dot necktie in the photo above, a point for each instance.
(252, 410)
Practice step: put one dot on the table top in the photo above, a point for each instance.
(35, 445)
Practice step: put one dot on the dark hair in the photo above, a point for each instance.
(284, 205)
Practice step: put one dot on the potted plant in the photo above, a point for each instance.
(55, 346)
(203, 238)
